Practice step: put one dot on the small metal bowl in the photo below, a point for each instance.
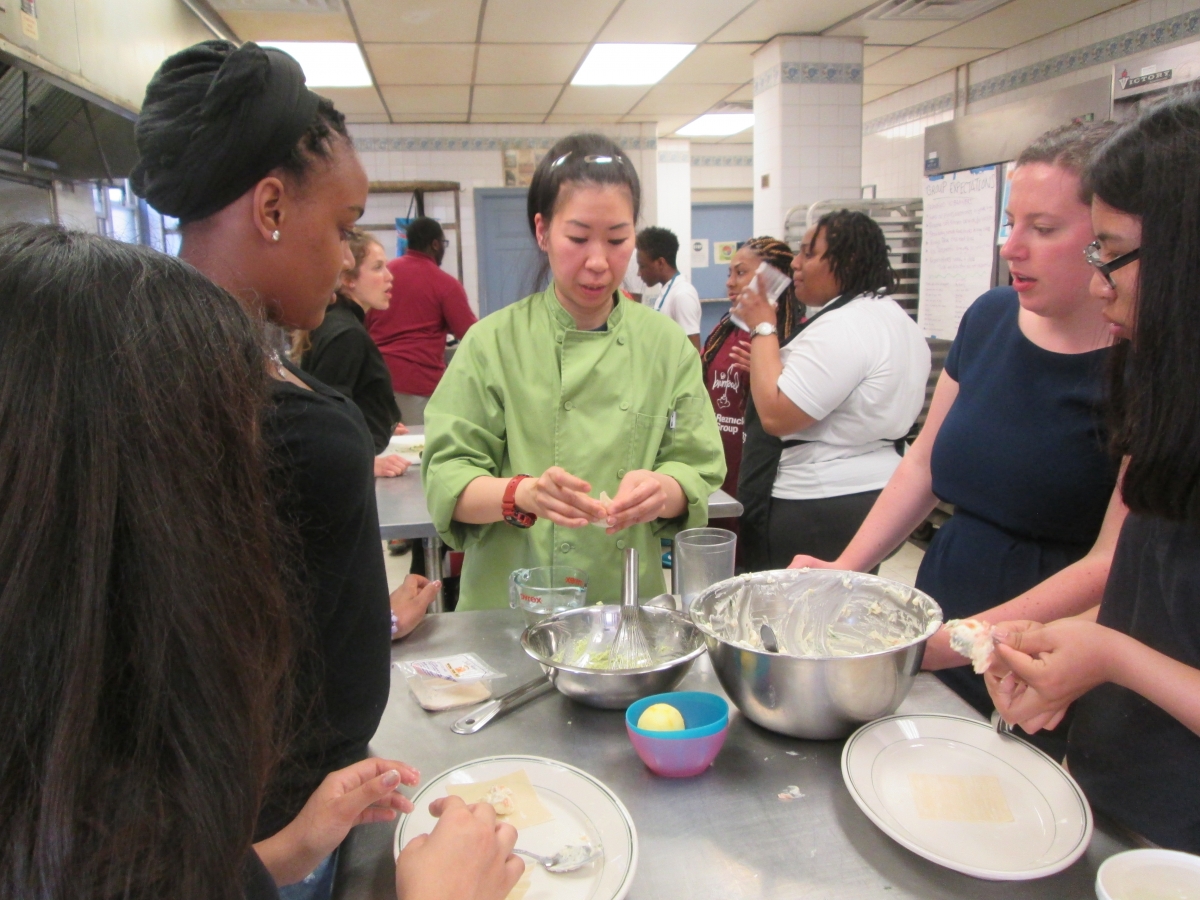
(612, 688)
(806, 691)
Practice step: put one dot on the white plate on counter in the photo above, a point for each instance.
(953, 791)
(407, 445)
(582, 809)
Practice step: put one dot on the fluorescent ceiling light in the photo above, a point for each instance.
(630, 63)
(326, 64)
(717, 125)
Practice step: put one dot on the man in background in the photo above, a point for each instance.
(427, 303)
(656, 252)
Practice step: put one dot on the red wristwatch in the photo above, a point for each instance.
(512, 515)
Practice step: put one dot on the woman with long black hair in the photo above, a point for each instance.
(145, 639)
(1131, 667)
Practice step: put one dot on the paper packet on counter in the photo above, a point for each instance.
(767, 280)
(447, 682)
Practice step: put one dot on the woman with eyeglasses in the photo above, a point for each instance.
(1015, 435)
(567, 395)
(1131, 668)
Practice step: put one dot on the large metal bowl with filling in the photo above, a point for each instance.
(850, 645)
(571, 647)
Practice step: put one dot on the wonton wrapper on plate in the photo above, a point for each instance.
(974, 640)
(960, 798)
(528, 809)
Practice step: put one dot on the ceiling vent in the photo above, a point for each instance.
(933, 10)
(321, 6)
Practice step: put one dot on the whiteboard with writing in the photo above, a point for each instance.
(958, 240)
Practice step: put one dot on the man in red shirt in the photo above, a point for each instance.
(426, 304)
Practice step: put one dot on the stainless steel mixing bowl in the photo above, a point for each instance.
(612, 688)
(817, 686)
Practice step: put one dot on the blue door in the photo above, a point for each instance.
(717, 222)
(509, 261)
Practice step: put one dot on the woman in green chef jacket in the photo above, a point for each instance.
(568, 394)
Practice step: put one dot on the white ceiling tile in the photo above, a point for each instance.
(890, 31)
(416, 21)
(670, 21)
(1020, 21)
(507, 118)
(875, 91)
(426, 100)
(544, 21)
(744, 94)
(715, 64)
(356, 101)
(918, 63)
(421, 63)
(667, 124)
(686, 99)
(581, 119)
(366, 118)
(767, 18)
(602, 101)
(289, 26)
(527, 63)
(873, 53)
(524, 98)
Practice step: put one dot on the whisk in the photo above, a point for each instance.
(630, 650)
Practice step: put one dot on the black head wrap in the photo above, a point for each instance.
(216, 119)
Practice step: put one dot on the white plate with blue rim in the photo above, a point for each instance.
(957, 793)
(582, 809)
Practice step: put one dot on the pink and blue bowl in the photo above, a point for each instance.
(681, 754)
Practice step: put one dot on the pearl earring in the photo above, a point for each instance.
(275, 235)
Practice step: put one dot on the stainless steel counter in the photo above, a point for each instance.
(724, 834)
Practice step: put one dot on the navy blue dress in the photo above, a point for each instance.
(1022, 456)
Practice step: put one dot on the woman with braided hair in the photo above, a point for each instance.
(727, 381)
(829, 407)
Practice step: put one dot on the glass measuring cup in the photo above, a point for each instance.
(545, 590)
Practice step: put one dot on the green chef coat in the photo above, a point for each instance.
(527, 390)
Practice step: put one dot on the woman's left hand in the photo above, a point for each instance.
(363, 792)
(642, 497)
(410, 601)
(739, 353)
(752, 306)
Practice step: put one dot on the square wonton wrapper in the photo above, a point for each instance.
(529, 809)
(960, 798)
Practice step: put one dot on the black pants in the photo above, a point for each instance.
(820, 528)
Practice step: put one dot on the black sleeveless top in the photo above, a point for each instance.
(1136, 763)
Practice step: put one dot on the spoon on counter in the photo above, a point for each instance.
(568, 859)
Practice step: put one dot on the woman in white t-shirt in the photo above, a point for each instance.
(841, 394)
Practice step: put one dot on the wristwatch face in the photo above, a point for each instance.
(764, 328)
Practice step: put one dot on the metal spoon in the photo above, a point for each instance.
(568, 859)
(663, 601)
(767, 633)
(1003, 728)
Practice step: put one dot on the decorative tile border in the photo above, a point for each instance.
(809, 73)
(910, 113)
(436, 144)
(723, 161)
(673, 156)
(1140, 40)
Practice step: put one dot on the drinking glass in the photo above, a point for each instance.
(701, 557)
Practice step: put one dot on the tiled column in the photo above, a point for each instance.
(674, 192)
(807, 125)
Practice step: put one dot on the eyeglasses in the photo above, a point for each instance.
(1092, 254)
